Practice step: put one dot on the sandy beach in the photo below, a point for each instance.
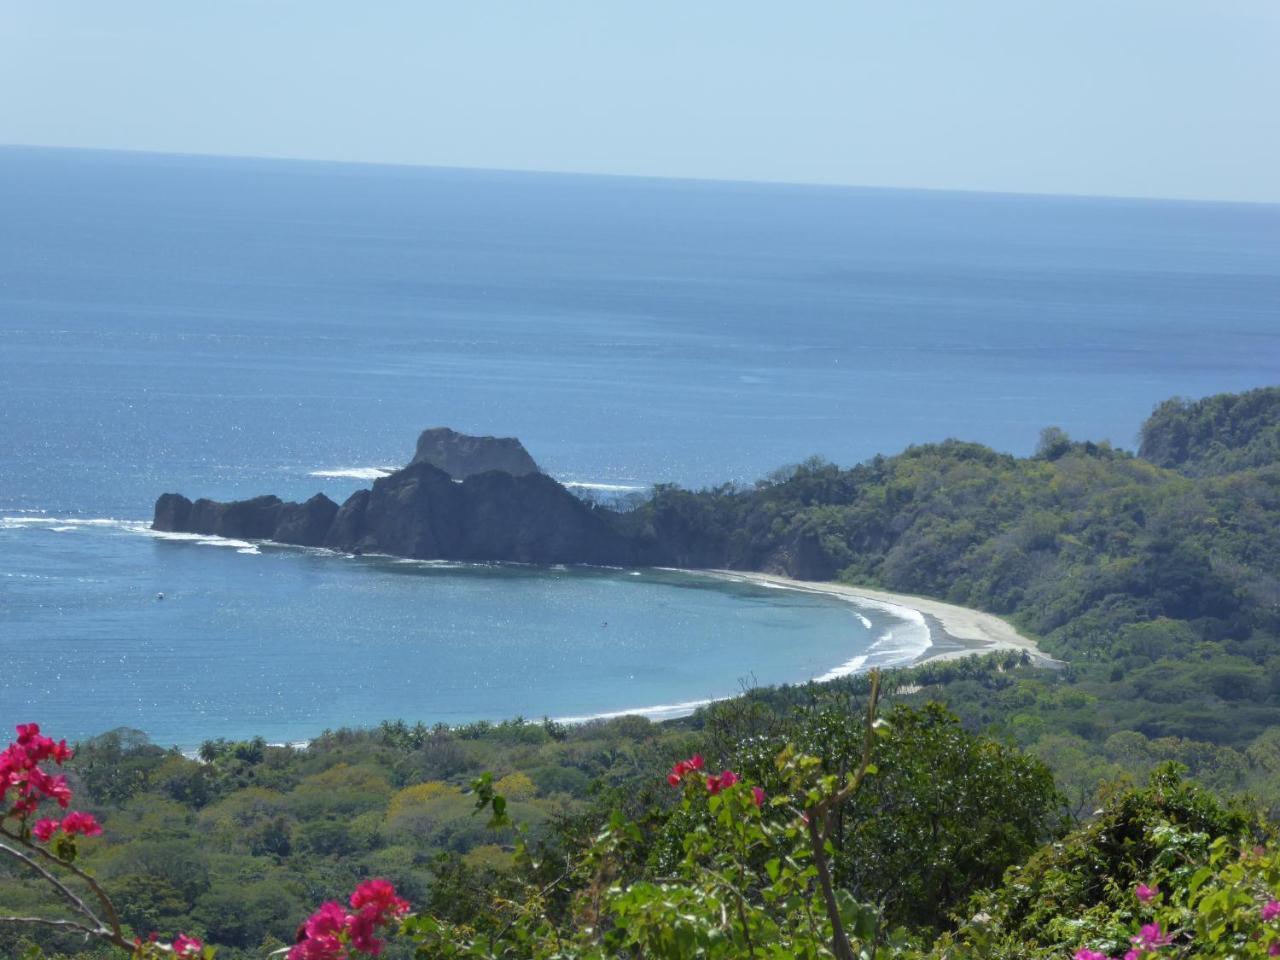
(954, 631)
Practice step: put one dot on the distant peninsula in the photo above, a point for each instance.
(1077, 541)
(480, 499)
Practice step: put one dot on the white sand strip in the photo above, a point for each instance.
(976, 632)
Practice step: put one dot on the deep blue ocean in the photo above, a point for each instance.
(228, 327)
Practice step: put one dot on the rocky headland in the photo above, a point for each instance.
(442, 506)
(424, 513)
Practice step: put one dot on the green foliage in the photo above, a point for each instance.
(946, 813)
(1160, 588)
(1219, 434)
(1170, 835)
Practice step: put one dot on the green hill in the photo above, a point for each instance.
(1219, 434)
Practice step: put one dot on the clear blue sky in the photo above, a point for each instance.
(1173, 98)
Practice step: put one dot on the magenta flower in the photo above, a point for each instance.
(45, 829)
(1084, 953)
(1270, 910)
(1151, 937)
(1146, 894)
(76, 822)
(757, 796)
(186, 946)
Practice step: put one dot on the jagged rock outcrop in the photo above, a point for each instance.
(262, 518)
(440, 508)
(461, 456)
(422, 512)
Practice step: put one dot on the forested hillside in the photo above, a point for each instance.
(1161, 590)
(1219, 434)
(1159, 587)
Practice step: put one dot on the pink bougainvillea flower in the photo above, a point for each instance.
(55, 788)
(1151, 937)
(1133, 955)
(723, 782)
(1146, 894)
(381, 896)
(186, 946)
(1270, 910)
(329, 921)
(757, 796)
(680, 768)
(323, 948)
(45, 829)
(85, 823)
(362, 928)
(1084, 953)
(319, 937)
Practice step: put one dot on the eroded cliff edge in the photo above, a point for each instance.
(496, 515)
(422, 512)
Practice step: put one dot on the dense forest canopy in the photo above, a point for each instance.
(1219, 434)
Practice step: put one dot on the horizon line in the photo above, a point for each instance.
(814, 184)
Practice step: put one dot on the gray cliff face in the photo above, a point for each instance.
(518, 515)
(421, 512)
(262, 518)
(462, 456)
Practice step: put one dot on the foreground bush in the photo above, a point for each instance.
(755, 870)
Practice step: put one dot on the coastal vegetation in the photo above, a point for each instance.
(984, 807)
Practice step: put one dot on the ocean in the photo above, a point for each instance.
(231, 327)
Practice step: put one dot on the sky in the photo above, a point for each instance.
(1162, 98)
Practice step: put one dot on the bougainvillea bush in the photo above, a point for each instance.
(747, 868)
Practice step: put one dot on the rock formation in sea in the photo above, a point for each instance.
(443, 505)
(462, 456)
(495, 515)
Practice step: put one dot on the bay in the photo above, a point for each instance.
(227, 328)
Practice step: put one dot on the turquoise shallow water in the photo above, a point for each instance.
(255, 639)
(229, 328)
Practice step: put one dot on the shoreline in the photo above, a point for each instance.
(954, 631)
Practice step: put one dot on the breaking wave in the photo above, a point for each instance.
(354, 473)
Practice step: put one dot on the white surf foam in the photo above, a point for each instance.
(434, 564)
(354, 473)
(141, 527)
(665, 711)
(850, 666)
(896, 646)
(203, 539)
(604, 487)
(12, 522)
